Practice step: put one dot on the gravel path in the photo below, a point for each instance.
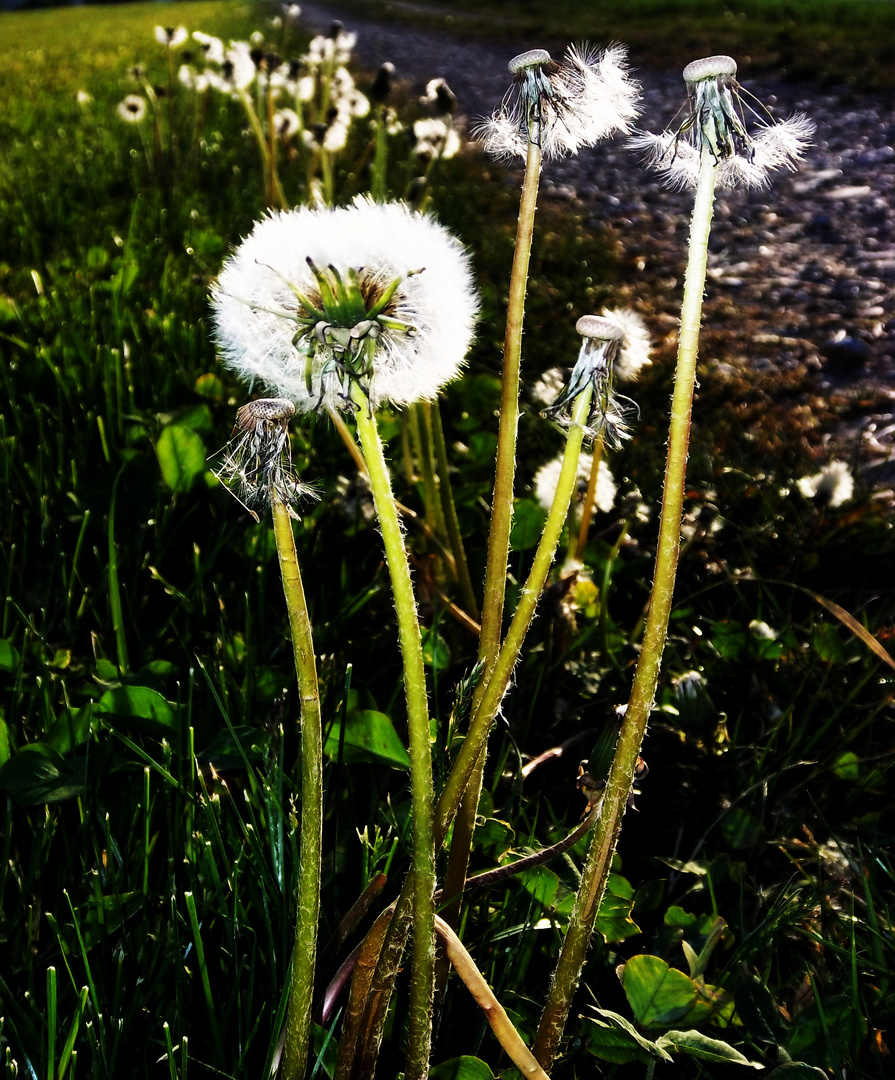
(803, 274)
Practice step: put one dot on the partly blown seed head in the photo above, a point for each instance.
(716, 125)
(561, 107)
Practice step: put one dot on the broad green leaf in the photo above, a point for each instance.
(619, 1041)
(144, 710)
(541, 883)
(614, 920)
(71, 730)
(493, 836)
(181, 456)
(270, 682)
(39, 774)
(209, 386)
(701, 1046)
(5, 747)
(797, 1070)
(816, 1027)
(847, 767)
(658, 994)
(9, 656)
(528, 524)
(369, 736)
(462, 1068)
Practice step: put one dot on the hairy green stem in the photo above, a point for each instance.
(621, 775)
(483, 715)
(422, 791)
(304, 951)
(501, 516)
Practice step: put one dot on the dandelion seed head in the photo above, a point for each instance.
(256, 464)
(545, 389)
(439, 96)
(562, 106)
(132, 109)
(832, 486)
(547, 477)
(716, 125)
(401, 329)
(212, 47)
(615, 346)
(170, 36)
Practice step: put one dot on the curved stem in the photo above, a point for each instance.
(422, 791)
(304, 952)
(621, 775)
(507, 1035)
(484, 713)
(501, 513)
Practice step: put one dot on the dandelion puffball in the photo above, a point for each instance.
(562, 106)
(716, 125)
(374, 293)
(547, 477)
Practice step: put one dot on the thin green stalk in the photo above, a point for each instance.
(621, 775)
(501, 517)
(51, 1022)
(304, 950)
(422, 790)
(502, 500)
(114, 583)
(483, 715)
(452, 524)
(577, 547)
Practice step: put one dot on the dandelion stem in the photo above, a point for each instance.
(451, 521)
(501, 516)
(422, 791)
(304, 952)
(621, 775)
(587, 507)
(484, 713)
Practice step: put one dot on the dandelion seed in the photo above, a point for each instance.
(169, 37)
(286, 123)
(612, 343)
(545, 390)
(716, 123)
(84, 99)
(435, 139)
(257, 464)
(132, 109)
(439, 97)
(376, 294)
(832, 486)
(547, 476)
(562, 106)
(213, 47)
(381, 86)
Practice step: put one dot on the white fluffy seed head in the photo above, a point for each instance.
(547, 477)
(266, 335)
